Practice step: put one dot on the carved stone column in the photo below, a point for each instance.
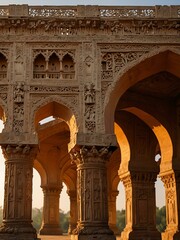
(73, 210)
(51, 223)
(171, 182)
(140, 206)
(112, 211)
(18, 193)
(92, 193)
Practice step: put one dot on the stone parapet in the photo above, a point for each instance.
(90, 11)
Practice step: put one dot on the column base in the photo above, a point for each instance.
(115, 229)
(92, 233)
(49, 229)
(140, 234)
(93, 237)
(17, 237)
(17, 230)
(171, 235)
(71, 228)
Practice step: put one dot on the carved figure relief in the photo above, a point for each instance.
(19, 93)
(89, 98)
(89, 94)
(88, 63)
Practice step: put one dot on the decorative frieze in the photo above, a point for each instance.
(53, 89)
(74, 27)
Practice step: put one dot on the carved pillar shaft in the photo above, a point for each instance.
(140, 206)
(18, 191)
(112, 211)
(73, 211)
(172, 190)
(51, 223)
(92, 191)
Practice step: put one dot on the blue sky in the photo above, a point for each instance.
(93, 2)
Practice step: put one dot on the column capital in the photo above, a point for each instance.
(137, 176)
(52, 189)
(91, 154)
(19, 151)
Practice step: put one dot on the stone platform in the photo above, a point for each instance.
(46, 237)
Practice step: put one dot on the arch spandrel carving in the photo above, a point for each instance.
(151, 63)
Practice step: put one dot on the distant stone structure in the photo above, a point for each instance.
(110, 77)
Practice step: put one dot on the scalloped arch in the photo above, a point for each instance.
(162, 59)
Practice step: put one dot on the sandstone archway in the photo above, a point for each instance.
(149, 89)
(54, 138)
(149, 64)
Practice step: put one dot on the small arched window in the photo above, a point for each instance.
(68, 67)
(39, 67)
(3, 66)
(54, 66)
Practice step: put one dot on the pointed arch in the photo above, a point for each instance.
(39, 66)
(3, 66)
(55, 107)
(124, 148)
(68, 66)
(163, 59)
(162, 135)
(42, 172)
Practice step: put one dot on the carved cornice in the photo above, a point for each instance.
(73, 20)
(74, 27)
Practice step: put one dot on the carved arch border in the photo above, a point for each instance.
(4, 116)
(57, 99)
(110, 99)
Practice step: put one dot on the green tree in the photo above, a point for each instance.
(64, 221)
(120, 219)
(161, 219)
(37, 218)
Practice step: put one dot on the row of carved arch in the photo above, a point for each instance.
(54, 67)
